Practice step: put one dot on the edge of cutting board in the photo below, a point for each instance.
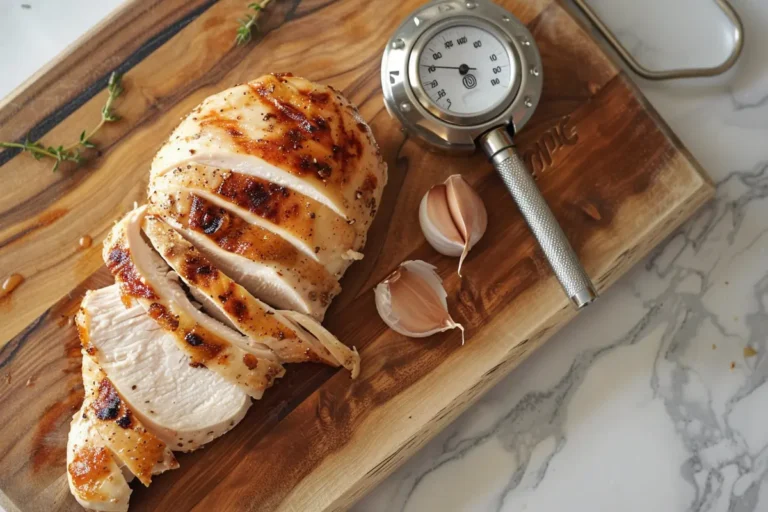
(344, 437)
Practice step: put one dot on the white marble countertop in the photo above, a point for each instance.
(645, 402)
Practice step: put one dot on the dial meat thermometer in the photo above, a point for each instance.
(459, 75)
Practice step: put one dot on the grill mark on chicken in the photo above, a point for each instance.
(161, 315)
(303, 142)
(235, 235)
(120, 264)
(202, 344)
(107, 403)
(197, 269)
(261, 197)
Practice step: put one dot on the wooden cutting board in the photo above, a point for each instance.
(616, 177)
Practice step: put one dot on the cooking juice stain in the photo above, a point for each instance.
(11, 283)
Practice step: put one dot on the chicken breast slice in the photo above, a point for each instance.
(264, 263)
(144, 276)
(290, 341)
(94, 476)
(289, 131)
(308, 225)
(143, 453)
(184, 406)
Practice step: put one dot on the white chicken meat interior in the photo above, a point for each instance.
(184, 406)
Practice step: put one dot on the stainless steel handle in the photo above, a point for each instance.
(559, 253)
(738, 45)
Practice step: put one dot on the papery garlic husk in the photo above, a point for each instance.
(453, 217)
(342, 354)
(412, 301)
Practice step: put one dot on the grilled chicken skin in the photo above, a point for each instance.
(145, 277)
(291, 342)
(94, 476)
(291, 132)
(123, 433)
(106, 443)
(264, 263)
(308, 225)
(184, 406)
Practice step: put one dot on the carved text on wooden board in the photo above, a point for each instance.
(539, 156)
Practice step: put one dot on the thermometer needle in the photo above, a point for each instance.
(462, 69)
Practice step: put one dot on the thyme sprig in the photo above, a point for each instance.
(72, 152)
(245, 30)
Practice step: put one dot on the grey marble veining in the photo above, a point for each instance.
(647, 401)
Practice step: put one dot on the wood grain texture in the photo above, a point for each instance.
(118, 42)
(615, 176)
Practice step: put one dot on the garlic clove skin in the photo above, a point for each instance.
(468, 212)
(412, 301)
(453, 217)
(437, 223)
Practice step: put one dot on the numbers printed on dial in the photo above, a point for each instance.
(470, 66)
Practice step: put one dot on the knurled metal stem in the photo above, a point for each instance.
(561, 257)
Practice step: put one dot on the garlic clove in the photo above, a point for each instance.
(453, 217)
(437, 224)
(468, 212)
(412, 301)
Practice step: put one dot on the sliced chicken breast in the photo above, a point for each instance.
(291, 342)
(291, 132)
(184, 406)
(95, 478)
(266, 265)
(308, 225)
(144, 276)
(143, 453)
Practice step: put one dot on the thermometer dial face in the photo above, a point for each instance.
(465, 70)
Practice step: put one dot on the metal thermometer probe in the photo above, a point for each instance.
(497, 144)
(459, 75)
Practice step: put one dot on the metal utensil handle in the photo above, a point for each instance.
(738, 45)
(545, 228)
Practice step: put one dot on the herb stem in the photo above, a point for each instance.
(32, 149)
(244, 31)
(72, 153)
